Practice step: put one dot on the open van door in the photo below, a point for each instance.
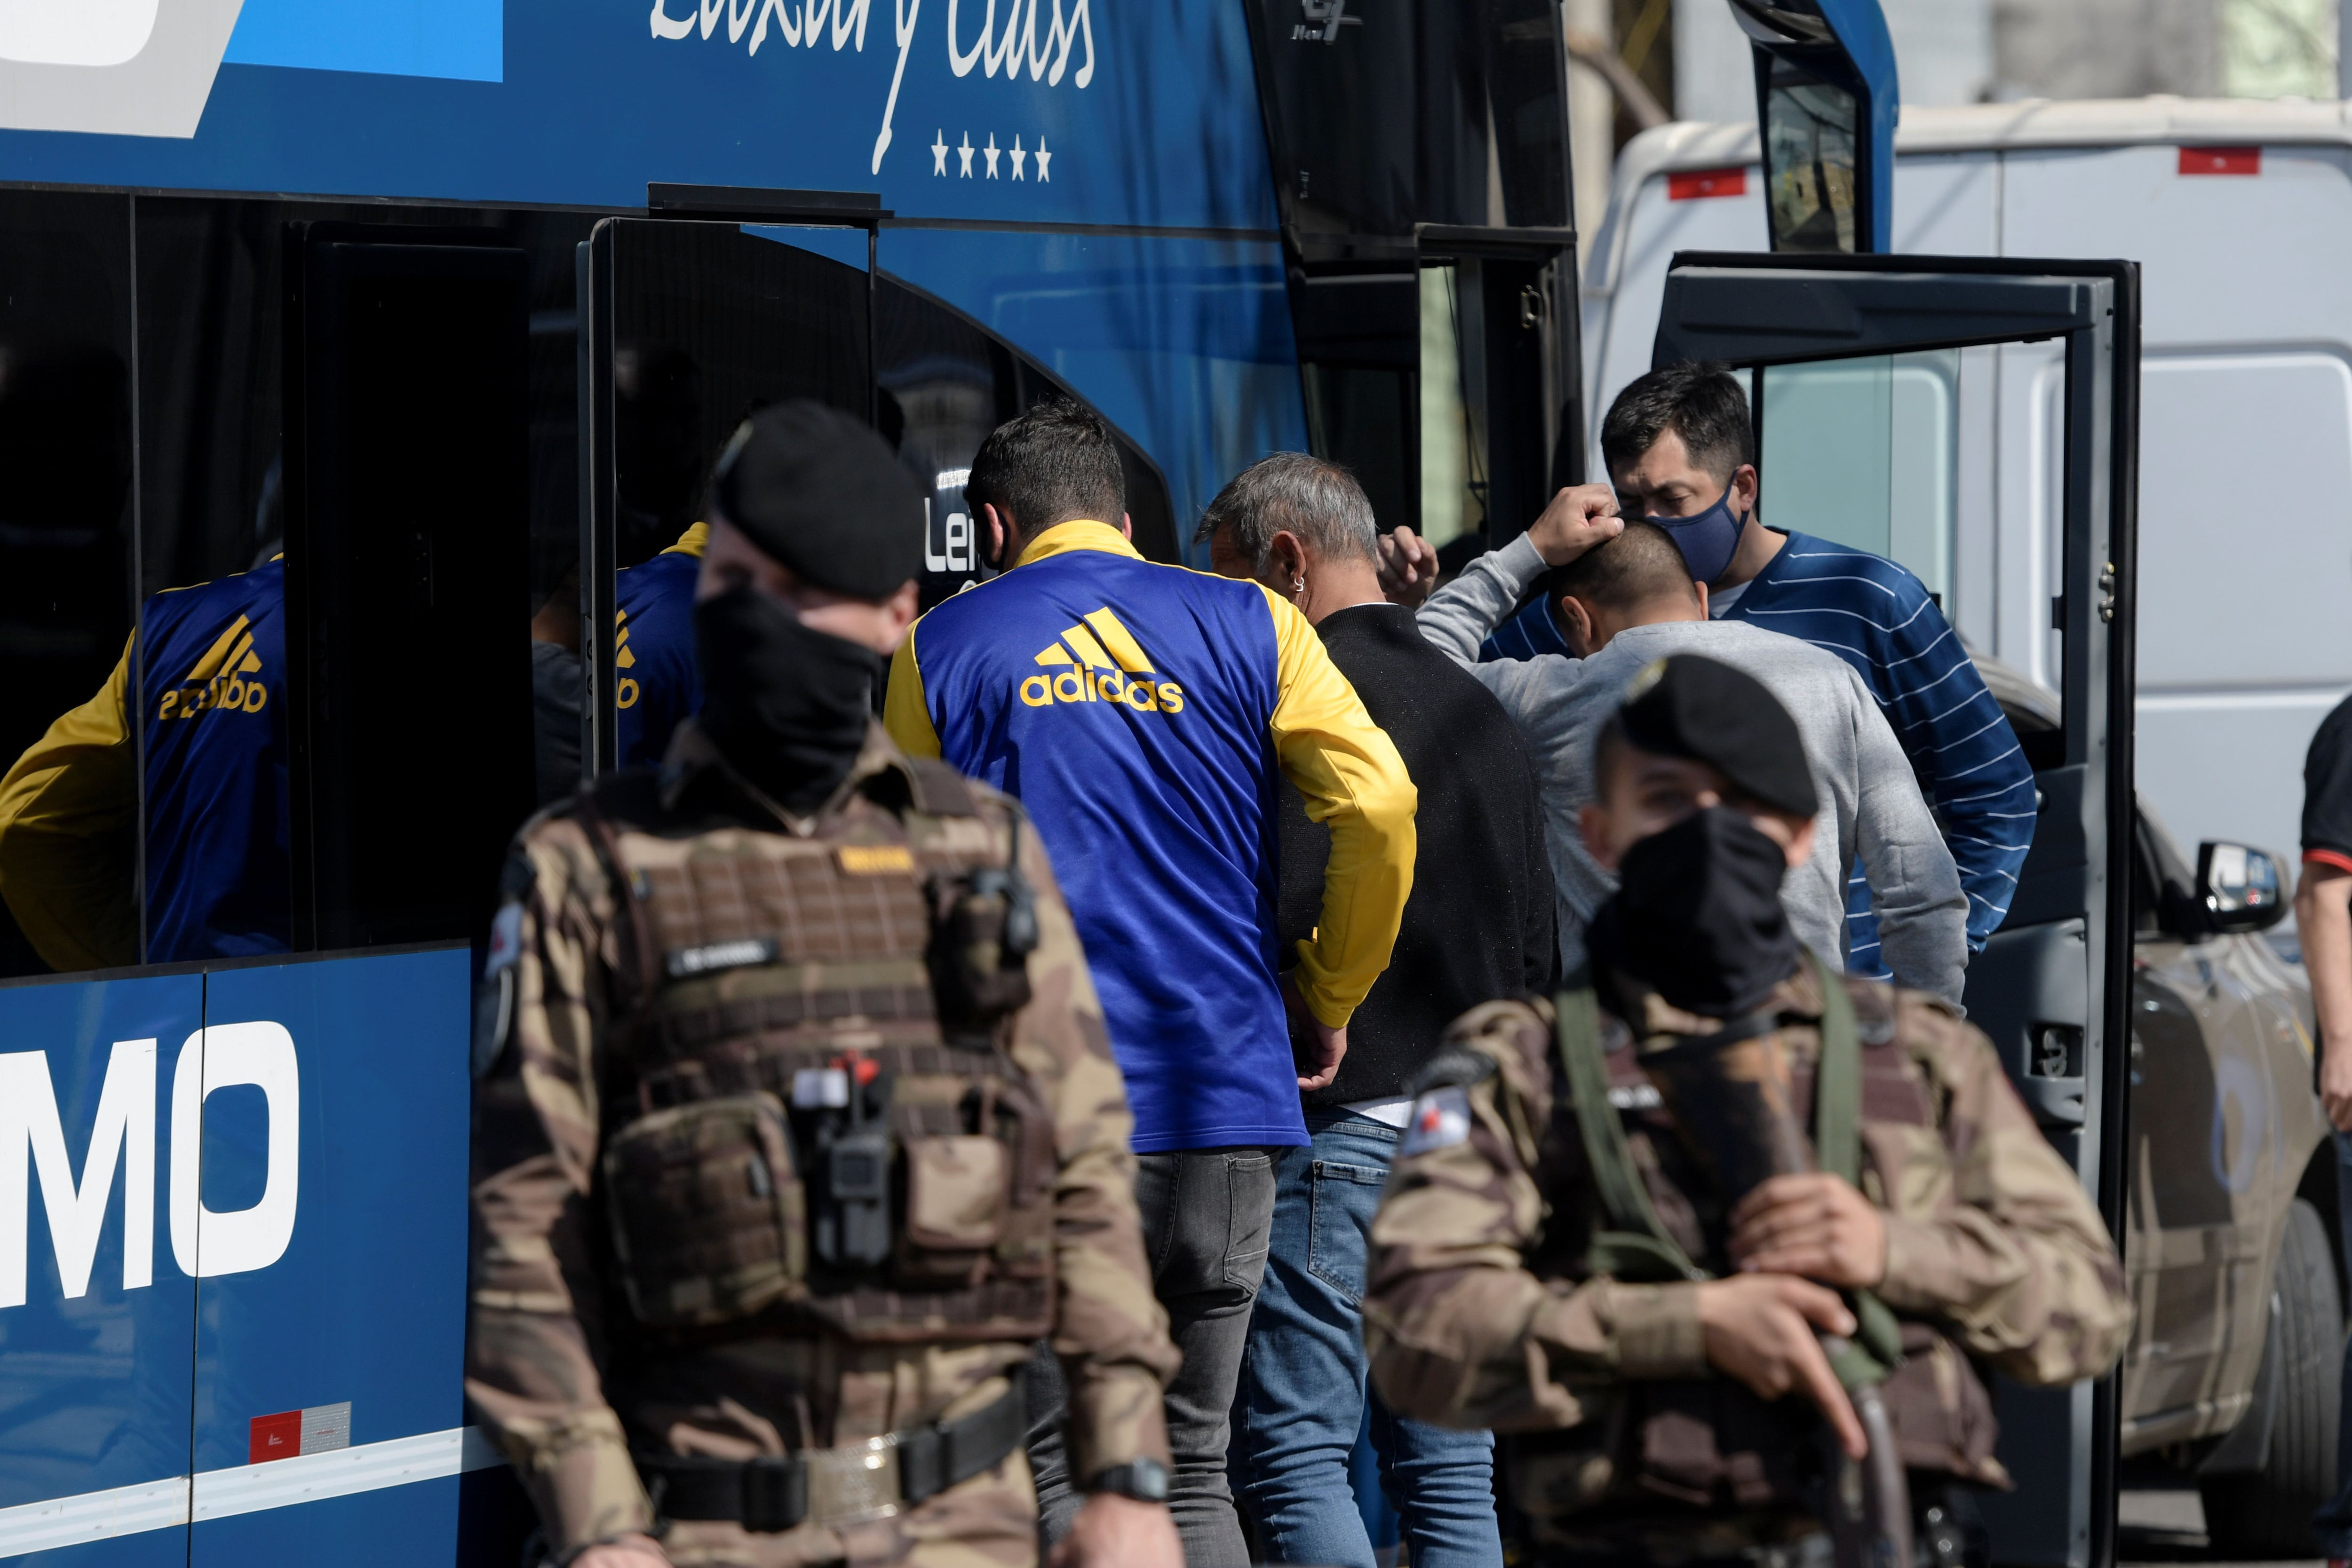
(1872, 379)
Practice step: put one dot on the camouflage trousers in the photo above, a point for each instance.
(988, 1521)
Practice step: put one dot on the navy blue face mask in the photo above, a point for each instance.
(1707, 541)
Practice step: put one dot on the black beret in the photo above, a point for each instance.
(822, 494)
(1701, 708)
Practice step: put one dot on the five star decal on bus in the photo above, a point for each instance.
(963, 152)
(1018, 44)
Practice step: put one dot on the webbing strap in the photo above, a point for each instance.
(1837, 1080)
(1636, 1246)
(1877, 1345)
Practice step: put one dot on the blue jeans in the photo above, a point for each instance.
(1303, 1394)
(2333, 1523)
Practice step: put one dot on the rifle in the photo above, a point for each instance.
(1730, 1092)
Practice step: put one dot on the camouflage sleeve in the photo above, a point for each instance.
(1460, 1332)
(2002, 1244)
(1109, 1330)
(530, 1372)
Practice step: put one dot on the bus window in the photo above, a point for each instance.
(692, 326)
(150, 812)
(946, 382)
(69, 844)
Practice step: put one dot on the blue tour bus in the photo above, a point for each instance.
(361, 367)
(352, 355)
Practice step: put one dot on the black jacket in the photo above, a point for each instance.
(1479, 924)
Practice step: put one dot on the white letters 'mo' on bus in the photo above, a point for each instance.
(205, 1242)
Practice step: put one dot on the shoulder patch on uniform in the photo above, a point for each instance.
(685, 963)
(1439, 1119)
(506, 939)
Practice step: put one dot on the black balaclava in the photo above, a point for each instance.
(821, 494)
(788, 706)
(1697, 915)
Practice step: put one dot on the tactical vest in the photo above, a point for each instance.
(1652, 1217)
(822, 1127)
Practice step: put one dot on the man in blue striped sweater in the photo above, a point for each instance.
(1680, 450)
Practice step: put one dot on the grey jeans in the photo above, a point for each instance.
(1206, 1217)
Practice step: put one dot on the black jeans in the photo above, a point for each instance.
(1206, 1217)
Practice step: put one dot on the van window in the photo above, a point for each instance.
(1866, 452)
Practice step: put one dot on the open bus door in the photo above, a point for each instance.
(407, 418)
(1421, 169)
(1871, 377)
(688, 326)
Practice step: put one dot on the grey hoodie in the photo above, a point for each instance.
(1872, 804)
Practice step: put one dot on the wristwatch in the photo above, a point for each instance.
(1145, 1480)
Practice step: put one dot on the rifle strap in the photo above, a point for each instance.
(1837, 1147)
(1635, 1246)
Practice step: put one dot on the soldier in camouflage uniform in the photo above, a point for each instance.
(1644, 1405)
(797, 1124)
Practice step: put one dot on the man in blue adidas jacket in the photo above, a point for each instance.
(1680, 450)
(1141, 713)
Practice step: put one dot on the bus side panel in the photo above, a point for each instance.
(337, 1362)
(93, 1386)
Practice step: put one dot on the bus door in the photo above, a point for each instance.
(406, 494)
(1872, 378)
(688, 327)
(1420, 170)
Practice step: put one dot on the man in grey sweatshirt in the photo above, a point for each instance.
(1626, 599)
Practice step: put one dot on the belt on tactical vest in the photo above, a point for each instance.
(871, 1480)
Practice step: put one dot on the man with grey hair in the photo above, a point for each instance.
(1478, 925)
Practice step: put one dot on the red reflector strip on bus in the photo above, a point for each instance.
(288, 1434)
(1700, 183)
(2220, 160)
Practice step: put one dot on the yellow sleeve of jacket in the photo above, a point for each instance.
(68, 821)
(1356, 784)
(904, 713)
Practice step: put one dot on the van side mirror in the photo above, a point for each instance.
(2239, 887)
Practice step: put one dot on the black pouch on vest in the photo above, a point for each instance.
(983, 928)
(708, 1218)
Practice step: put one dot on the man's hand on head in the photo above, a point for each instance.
(1578, 517)
(1765, 1330)
(1815, 1225)
(1316, 1043)
(1408, 568)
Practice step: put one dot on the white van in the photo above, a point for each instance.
(2240, 213)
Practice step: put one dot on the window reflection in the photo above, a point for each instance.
(68, 828)
(1811, 131)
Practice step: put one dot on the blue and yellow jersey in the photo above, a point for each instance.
(212, 704)
(1141, 713)
(655, 683)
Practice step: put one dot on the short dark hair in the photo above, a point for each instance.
(1312, 497)
(1054, 463)
(1700, 403)
(1639, 565)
